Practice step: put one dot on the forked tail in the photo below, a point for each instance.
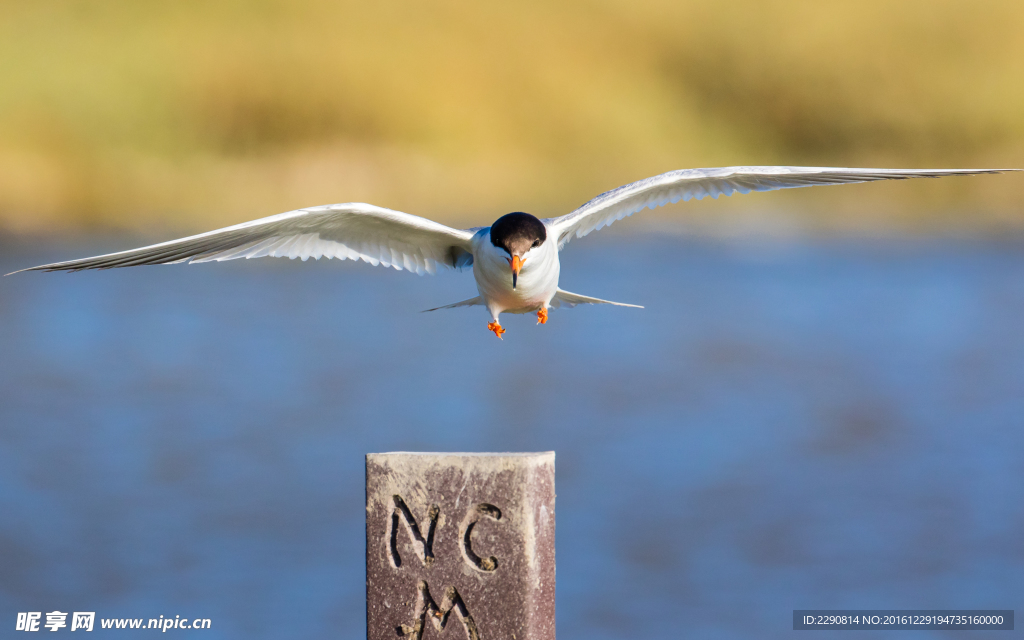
(566, 298)
(472, 302)
(570, 299)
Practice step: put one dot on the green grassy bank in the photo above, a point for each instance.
(192, 114)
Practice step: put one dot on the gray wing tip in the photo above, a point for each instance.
(69, 267)
(42, 267)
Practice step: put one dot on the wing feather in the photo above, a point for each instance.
(698, 184)
(351, 231)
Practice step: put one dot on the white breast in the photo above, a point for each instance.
(538, 279)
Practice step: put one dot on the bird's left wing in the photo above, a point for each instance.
(351, 231)
(700, 183)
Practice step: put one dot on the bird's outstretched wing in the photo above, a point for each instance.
(700, 183)
(351, 231)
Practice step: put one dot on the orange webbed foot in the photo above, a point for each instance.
(496, 328)
(542, 316)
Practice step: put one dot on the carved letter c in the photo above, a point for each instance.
(481, 510)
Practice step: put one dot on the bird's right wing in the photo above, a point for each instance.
(723, 181)
(351, 231)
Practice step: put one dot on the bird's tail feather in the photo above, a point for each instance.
(465, 303)
(570, 299)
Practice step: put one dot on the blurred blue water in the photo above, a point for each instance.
(789, 424)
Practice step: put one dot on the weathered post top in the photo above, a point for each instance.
(463, 540)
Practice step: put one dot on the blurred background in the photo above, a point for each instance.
(194, 114)
(820, 407)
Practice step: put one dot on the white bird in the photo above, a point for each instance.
(515, 261)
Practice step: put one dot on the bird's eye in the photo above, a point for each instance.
(536, 243)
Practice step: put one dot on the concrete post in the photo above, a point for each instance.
(460, 545)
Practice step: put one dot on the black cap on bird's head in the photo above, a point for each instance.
(516, 233)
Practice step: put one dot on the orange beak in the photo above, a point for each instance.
(516, 263)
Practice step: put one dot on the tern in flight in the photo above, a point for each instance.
(515, 260)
